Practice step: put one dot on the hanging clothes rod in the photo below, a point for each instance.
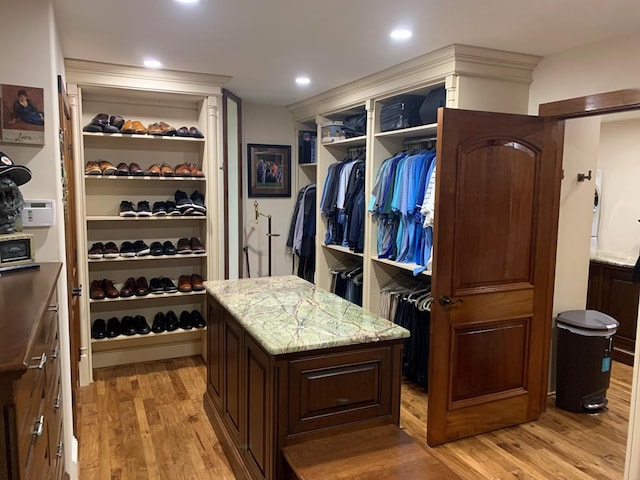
(413, 142)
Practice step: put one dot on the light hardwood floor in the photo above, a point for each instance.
(146, 421)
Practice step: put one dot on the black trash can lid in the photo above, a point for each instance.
(588, 320)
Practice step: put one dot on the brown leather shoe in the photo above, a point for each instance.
(196, 245)
(92, 168)
(167, 129)
(195, 171)
(153, 170)
(134, 169)
(107, 168)
(122, 169)
(142, 287)
(110, 289)
(184, 283)
(96, 291)
(154, 129)
(184, 246)
(182, 170)
(196, 282)
(129, 288)
(139, 128)
(166, 170)
(127, 127)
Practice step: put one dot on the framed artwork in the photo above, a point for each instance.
(22, 114)
(269, 171)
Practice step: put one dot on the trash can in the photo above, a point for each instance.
(583, 368)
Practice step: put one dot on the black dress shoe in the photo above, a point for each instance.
(156, 249)
(158, 325)
(99, 329)
(185, 321)
(197, 320)
(142, 327)
(156, 286)
(113, 327)
(97, 124)
(168, 286)
(169, 248)
(171, 321)
(128, 325)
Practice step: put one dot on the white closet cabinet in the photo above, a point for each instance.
(178, 99)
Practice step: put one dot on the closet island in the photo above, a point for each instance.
(289, 362)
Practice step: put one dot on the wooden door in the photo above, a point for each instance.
(71, 246)
(497, 196)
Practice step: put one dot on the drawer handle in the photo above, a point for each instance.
(38, 427)
(54, 308)
(43, 360)
(57, 402)
(342, 401)
(55, 352)
(60, 450)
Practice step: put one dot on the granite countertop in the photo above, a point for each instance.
(613, 258)
(288, 314)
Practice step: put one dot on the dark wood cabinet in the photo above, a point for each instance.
(612, 291)
(31, 444)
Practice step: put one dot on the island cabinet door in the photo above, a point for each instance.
(232, 377)
(214, 344)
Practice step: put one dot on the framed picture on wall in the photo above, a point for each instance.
(269, 170)
(22, 114)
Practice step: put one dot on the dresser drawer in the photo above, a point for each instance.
(37, 458)
(339, 388)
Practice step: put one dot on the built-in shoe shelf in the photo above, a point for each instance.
(128, 338)
(114, 218)
(143, 137)
(145, 177)
(148, 257)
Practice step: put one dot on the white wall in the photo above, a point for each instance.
(619, 231)
(267, 125)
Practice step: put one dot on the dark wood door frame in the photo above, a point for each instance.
(590, 105)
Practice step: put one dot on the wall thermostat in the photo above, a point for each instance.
(38, 213)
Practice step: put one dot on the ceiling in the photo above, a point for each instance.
(265, 44)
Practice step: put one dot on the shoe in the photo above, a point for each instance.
(110, 289)
(90, 127)
(96, 291)
(159, 323)
(169, 248)
(166, 170)
(195, 171)
(106, 168)
(167, 130)
(184, 246)
(127, 250)
(182, 170)
(110, 129)
(111, 250)
(168, 285)
(183, 203)
(122, 170)
(127, 127)
(196, 282)
(153, 170)
(159, 209)
(92, 168)
(185, 321)
(128, 325)
(184, 284)
(197, 200)
(116, 121)
(154, 129)
(196, 246)
(156, 249)
(99, 121)
(99, 329)
(197, 320)
(171, 321)
(126, 209)
(141, 248)
(129, 288)
(143, 209)
(142, 287)
(135, 170)
(141, 325)
(171, 208)
(182, 132)
(139, 128)
(195, 133)
(96, 251)
(113, 327)
(155, 285)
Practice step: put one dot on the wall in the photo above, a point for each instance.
(267, 125)
(619, 230)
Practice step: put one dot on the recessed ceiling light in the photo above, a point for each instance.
(401, 34)
(303, 81)
(152, 63)
(187, 1)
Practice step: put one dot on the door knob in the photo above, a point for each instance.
(444, 301)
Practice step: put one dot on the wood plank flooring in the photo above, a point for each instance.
(146, 421)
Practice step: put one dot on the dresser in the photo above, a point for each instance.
(289, 362)
(31, 442)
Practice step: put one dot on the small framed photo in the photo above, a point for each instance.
(269, 171)
(22, 114)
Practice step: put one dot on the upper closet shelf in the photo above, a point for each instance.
(402, 266)
(133, 136)
(354, 141)
(145, 177)
(340, 248)
(113, 218)
(420, 130)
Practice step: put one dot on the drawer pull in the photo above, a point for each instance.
(342, 401)
(54, 308)
(55, 352)
(43, 360)
(38, 427)
(60, 450)
(57, 402)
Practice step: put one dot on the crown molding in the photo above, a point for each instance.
(429, 69)
(97, 74)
